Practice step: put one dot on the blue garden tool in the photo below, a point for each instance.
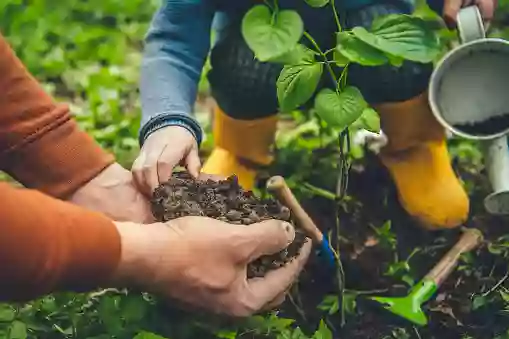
(277, 186)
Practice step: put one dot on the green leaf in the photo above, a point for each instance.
(402, 36)
(298, 54)
(317, 3)
(7, 313)
(271, 323)
(133, 309)
(340, 111)
(270, 35)
(356, 50)
(339, 59)
(323, 332)
(18, 330)
(478, 302)
(330, 304)
(148, 335)
(504, 295)
(226, 334)
(289, 334)
(408, 280)
(369, 120)
(349, 302)
(296, 84)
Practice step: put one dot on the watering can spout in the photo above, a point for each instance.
(496, 154)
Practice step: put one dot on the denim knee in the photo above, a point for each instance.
(243, 87)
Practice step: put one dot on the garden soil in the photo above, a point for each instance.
(453, 313)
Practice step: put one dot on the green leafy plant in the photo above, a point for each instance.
(276, 35)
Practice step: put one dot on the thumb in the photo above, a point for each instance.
(487, 9)
(193, 163)
(265, 238)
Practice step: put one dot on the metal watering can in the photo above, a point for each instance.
(469, 95)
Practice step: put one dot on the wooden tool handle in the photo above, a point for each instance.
(278, 187)
(469, 240)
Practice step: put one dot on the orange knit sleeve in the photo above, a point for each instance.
(49, 245)
(41, 145)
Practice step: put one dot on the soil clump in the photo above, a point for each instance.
(224, 200)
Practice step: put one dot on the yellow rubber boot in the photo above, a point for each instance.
(240, 146)
(418, 160)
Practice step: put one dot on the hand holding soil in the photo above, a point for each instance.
(161, 152)
(114, 193)
(203, 262)
(224, 200)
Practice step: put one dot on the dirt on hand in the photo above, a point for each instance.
(224, 200)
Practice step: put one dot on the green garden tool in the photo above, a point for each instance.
(409, 307)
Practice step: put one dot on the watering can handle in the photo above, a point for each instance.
(470, 24)
(470, 238)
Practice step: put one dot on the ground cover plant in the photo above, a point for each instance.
(68, 46)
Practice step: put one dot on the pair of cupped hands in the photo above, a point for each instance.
(201, 262)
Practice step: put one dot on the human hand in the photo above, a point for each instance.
(202, 262)
(162, 151)
(452, 7)
(114, 193)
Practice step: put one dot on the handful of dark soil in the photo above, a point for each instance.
(224, 200)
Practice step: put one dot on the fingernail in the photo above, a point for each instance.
(290, 231)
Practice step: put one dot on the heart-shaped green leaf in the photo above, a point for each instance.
(402, 36)
(270, 35)
(356, 50)
(369, 120)
(340, 110)
(297, 83)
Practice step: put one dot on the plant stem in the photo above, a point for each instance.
(312, 63)
(319, 191)
(319, 50)
(342, 77)
(336, 16)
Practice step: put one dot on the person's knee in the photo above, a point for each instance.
(243, 87)
(386, 83)
(389, 83)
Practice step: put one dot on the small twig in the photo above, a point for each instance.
(297, 306)
(497, 285)
(378, 291)
(416, 332)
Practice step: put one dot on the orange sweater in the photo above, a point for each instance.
(47, 244)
